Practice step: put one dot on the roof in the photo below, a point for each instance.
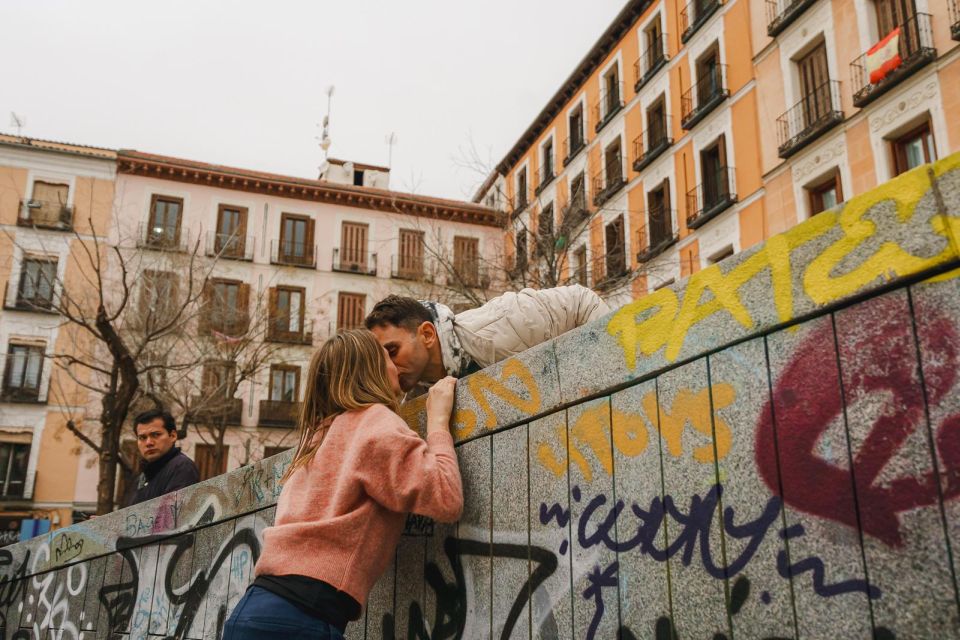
(590, 63)
(358, 165)
(181, 170)
(58, 147)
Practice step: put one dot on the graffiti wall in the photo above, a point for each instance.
(770, 449)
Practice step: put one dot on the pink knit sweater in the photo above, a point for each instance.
(340, 517)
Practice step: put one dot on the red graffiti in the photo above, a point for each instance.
(878, 357)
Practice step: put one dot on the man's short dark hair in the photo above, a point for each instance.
(398, 311)
(149, 416)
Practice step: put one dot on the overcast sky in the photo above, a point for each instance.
(244, 83)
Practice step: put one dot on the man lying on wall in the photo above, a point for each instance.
(427, 341)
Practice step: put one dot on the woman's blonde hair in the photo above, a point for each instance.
(347, 373)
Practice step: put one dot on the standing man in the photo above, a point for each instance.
(427, 342)
(166, 468)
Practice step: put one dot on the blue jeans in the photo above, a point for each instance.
(263, 615)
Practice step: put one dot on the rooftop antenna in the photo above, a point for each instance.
(18, 122)
(325, 141)
(391, 140)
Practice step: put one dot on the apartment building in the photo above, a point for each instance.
(691, 132)
(290, 261)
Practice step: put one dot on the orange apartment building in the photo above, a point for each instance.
(688, 133)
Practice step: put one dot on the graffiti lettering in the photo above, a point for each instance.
(67, 548)
(480, 384)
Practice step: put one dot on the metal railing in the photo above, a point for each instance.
(45, 215)
(352, 261)
(657, 235)
(700, 99)
(471, 275)
(915, 44)
(230, 246)
(715, 194)
(572, 146)
(517, 204)
(416, 268)
(278, 330)
(224, 320)
(953, 7)
(653, 59)
(607, 183)
(164, 238)
(211, 410)
(545, 176)
(782, 13)
(817, 112)
(293, 254)
(694, 15)
(279, 413)
(574, 213)
(651, 143)
(610, 104)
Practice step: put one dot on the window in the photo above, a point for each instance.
(580, 265)
(521, 189)
(158, 296)
(826, 195)
(49, 204)
(545, 238)
(13, 468)
(520, 262)
(466, 259)
(286, 312)
(21, 380)
(914, 149)
(814, 85)
(218, 379)
(358, 177)
(284, 383)
(227, 305)
(578, 197)
(547, 159)
(204, 455)
(165, 218)
(653, 37)
(351, 309)
(230, 238)
(613, 164)
(575, 120)
(353, 246)
(713, 167)
(616, 258)
(659, 215)
(611, 84)
(893, 13)
(296, 239)
(709, 80)
(37, 277)
(657, 124)
(410, 260)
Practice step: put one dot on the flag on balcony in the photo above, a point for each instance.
(884, 57)
(222, 337)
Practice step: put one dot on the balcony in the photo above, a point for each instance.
(293, 254)
(352, 261)
(279, 413)
(954, 7)
(216, 411)
(915, 49)
(574, 214)
(604, 187)
(695, 14)
(611, 103)
(652, 60)
(650, 144)
(571, 147)
(229, 246)
(225, 321)
(544, 177)
(811, 117)
(517, 205)
(415, 268)
(658, 236)
(278, 330)
(163, 238)
(471, 275)
(782, 13)
(715, 195)
(703, 97)
(45, 215)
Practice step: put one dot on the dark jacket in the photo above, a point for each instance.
(171, 472)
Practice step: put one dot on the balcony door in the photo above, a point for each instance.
(814, 85)
(713, 168)
(284, 381)
(616, 258)
(614, 164)
(296, 238)
(708, 77)
(353, 245)
(351, 308)
(410, 260)
(612, 84)
(466, 259)
(165, 216)
(656, 124)
(231, 231)
(658, 211)
(893, 13)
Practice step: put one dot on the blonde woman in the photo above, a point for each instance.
(357, 471)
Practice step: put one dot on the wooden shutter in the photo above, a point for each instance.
(350, 311)
(353, 242)
(466, 257)
(410, 261)
(205, 460)
(210, 307)
(616, 256)
(814, 77)
(242, 312)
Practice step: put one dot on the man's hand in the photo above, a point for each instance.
(440, 404)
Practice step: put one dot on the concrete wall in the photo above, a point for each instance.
(770, 449)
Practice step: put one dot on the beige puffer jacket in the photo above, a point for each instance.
(514, 322)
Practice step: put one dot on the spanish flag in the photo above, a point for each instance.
(884, 57)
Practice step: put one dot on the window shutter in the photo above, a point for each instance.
(243, 309)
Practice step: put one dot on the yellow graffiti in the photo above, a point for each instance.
(661, 321)
(599, 433)
(480, 384)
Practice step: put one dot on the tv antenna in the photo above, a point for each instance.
(18, 122)
(391, 141)
(325, 140)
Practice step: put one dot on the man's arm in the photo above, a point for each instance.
(566, 307)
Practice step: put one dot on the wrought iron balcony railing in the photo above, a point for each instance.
(782, 13)
(694, 15)
(352, 261)
(654, 58)
(229, 246)
(279, 330)
(610, 104)
(816, 113)
(650, 144)
(703, 97)
(574, 213)
(572, 146)
(545, 176)
(518, 204)
(606, 184)
(293, 254)
(164, 238)
(416, 268)
(658, 235)
(216, 410)
(708, 199)
(226, 321)
(914, 49)
(471, 274)
(954, 8)
(279, 413)
(45, 215)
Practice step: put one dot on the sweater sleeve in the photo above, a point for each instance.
(406, 474)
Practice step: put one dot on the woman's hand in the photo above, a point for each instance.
(440, 404)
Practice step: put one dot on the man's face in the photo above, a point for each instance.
(407, 351)
(153, 439)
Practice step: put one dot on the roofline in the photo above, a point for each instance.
(133, 162)
(358, 165)
(620, 25)
(56, 146)
(478, 196)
